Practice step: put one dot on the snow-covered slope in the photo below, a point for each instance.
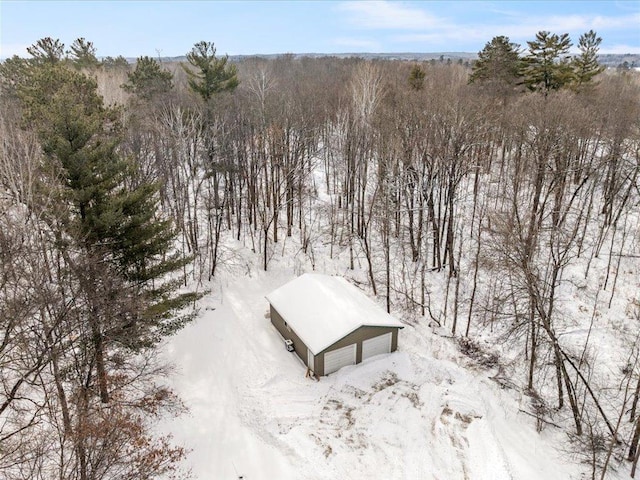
(423, 412)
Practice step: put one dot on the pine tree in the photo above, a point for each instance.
(210, 75)
(110, 227)
(107, 296)
(14, 72)
(83, 54)
(148, 79)
(46, 50)
(547, 67)
(416, 77)
(498, 63)
(585, 65)
(115, 63)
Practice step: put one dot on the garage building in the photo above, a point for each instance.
(331, 323)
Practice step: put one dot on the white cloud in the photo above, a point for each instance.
(413, 24)
(520, 31)
(582, 23)
(381, 14)
(629, 21)
(574, 25)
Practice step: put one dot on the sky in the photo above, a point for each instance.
(171, 28)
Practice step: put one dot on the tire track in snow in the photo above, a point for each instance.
(206, 353)
(270, 411)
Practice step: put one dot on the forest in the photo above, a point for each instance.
(498, 201)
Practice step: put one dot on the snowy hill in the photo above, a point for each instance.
(423, 412)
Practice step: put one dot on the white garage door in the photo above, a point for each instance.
(376, 346)
(337, 359)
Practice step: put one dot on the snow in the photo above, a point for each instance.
(423, 412)
(322, 309)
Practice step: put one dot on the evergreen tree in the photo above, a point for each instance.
(110, 226)
(547, 67)
(210, 75)
(14, 72)
(498, 64)
(118, 62)
(148, 79)
(416, 77)
(585, 65)
(46, 50)
(83, 54)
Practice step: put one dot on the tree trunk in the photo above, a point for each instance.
(533, 356)
(264, 251)
(98, 344)
(634, 405)
(633, 448)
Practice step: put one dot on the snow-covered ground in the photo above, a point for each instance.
(423, 412)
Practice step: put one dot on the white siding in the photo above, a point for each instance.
(376, 346)
(339, 358)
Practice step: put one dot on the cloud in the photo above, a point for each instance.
(574, 25)
(582, 23)
(523, 30)
(381, 14)
(413, 24)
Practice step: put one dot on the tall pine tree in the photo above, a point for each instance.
(585, 65)
(498, 66)
(547, 66)
(46, 50)
(110, 225)
(83, 54)
(148, 79)
(209, 77)
(209, 74)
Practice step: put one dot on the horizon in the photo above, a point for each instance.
(170, 28)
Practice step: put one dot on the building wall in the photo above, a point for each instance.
(288, 333)
(357, 337)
